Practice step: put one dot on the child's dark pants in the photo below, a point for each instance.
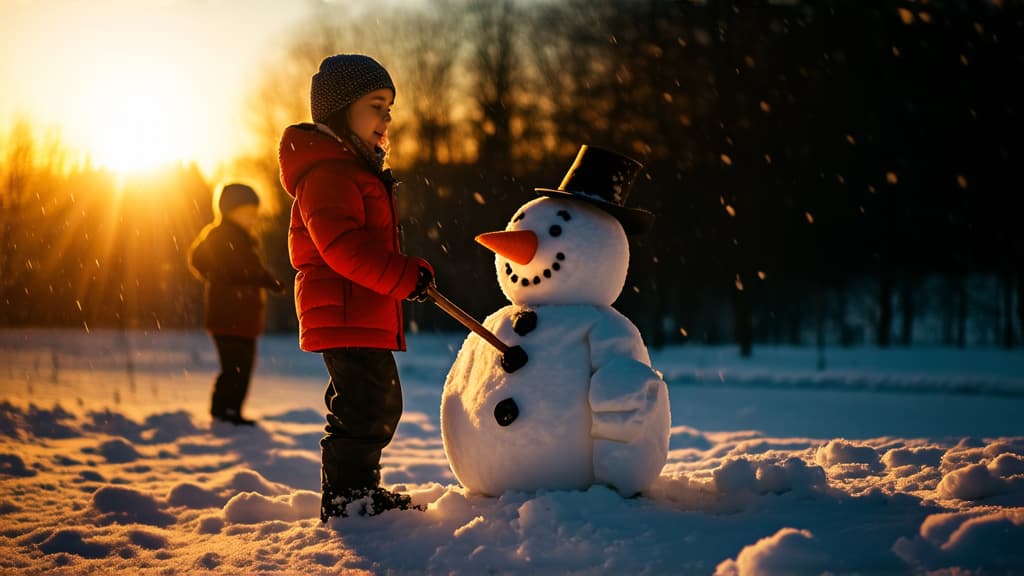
(364, 403)
(236, 360)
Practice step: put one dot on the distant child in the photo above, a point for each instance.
(224, 256)
(352, 274)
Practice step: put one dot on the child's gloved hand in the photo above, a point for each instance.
(424, 281)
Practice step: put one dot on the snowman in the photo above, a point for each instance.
(586, 408)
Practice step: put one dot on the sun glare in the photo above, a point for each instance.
(136, 122)
(136, 86)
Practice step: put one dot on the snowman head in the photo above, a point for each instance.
(559, 251)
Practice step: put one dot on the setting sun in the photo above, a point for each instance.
(132, 86)
(136, 123)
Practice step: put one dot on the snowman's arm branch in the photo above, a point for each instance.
(464, 318)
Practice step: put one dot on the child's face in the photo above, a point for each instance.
(369, 117)
(246, 216)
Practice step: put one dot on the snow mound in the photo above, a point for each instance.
(788, 551)
(155, 429)
(13, 465)
(194, 497)
(253, 508)
(985, 541)
(1002, 476)
(11, 420)
(147, 540)
(251, 481)
(917, 456)
(121, 505)
(843, 459)
(169, 426)
(43, 423)
(72, 541)
(118, 451)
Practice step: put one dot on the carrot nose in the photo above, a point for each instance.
(518, 246)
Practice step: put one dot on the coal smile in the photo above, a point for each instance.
(547, 273)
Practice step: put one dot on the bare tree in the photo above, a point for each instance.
(428, 44)
(19, 156)
(494, 64)
(570, 77)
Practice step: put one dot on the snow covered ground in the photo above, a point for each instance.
(883, 461)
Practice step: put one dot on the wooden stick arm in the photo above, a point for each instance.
(464, 318)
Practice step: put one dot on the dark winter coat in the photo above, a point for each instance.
(343, 240)
(224, 256)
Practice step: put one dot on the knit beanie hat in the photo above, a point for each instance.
(234, 195)
(343, 79)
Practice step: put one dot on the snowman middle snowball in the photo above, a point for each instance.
(561, 263)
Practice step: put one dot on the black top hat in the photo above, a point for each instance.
(605, 179)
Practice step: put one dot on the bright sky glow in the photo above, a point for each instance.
(133, 85)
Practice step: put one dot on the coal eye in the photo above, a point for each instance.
(555, 230)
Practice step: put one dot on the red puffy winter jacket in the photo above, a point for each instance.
(343, 240)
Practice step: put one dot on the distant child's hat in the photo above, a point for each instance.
(234, 195)
(604, 178)
(343, 79)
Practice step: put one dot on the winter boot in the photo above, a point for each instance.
(361, 502)
(217, 408)
(382, 500)
(332, 505)
(234, 417)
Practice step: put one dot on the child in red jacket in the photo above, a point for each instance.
(352, 275)
(224, 256)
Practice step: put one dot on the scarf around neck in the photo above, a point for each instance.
(374, 158)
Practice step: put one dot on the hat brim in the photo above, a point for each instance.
(635, 221)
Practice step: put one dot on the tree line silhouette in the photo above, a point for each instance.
(834, 172)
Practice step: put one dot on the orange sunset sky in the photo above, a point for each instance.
(134, 84)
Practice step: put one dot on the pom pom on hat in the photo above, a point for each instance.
(343, 79)
(234, 195)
